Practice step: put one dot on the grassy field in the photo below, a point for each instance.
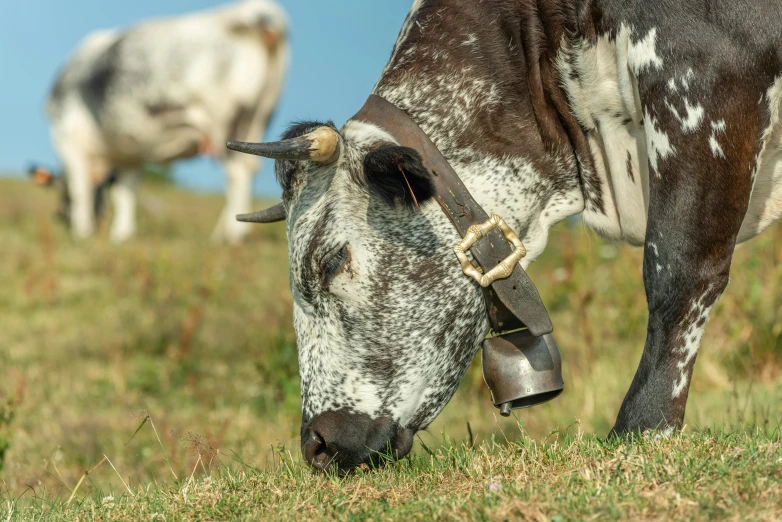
(194, 344)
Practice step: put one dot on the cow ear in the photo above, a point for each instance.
(397, 174)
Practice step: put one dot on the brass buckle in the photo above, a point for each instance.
(505, 267)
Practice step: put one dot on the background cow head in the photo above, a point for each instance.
(386, 322)
(45, 177)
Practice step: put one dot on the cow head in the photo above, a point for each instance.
(45, 177)
(386, 323)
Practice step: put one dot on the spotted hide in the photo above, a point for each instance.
(659, 122)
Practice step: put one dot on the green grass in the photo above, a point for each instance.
(692, 476)
(96, 337)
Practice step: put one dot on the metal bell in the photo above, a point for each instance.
(521, 370)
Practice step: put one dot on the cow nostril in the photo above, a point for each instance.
(322, 457)
(317, 452)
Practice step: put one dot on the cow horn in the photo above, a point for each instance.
(319, 146)
(268, 215)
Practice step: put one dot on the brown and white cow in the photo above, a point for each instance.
(164, 90)
(659, 122)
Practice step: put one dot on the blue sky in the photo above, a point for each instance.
(36, 36)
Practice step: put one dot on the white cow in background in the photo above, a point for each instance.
(164, 90)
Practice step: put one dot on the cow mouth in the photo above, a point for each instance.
(396, 449)
(333, 444)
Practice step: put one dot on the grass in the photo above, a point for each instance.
(96, 338)
(694, 476)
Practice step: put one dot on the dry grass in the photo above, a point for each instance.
(95, 337)
(691, 476)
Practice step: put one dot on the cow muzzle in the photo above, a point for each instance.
(341, 440)
(521, 370)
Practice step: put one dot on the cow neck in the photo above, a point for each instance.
(512, 302)
(481, 79)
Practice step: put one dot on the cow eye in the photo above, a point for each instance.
(334, 263)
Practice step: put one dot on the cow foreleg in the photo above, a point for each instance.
(81, 193)
(123, 198)
(698, 200)
(682, 285)
(239, 172)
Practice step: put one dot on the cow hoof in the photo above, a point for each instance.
(624, 433)
(121, 238)
(233, 235)
(81, 234)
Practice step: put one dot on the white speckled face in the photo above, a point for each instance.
(386, 322)
(395, 327)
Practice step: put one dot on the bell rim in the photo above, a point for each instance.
(557, 389)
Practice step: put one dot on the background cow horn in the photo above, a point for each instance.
(320, 146)
(268, 215)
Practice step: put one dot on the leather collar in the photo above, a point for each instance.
(512, 302)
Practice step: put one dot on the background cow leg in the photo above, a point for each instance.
(698, 200)
(123, 199)
(81, 192)
(239, 172)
